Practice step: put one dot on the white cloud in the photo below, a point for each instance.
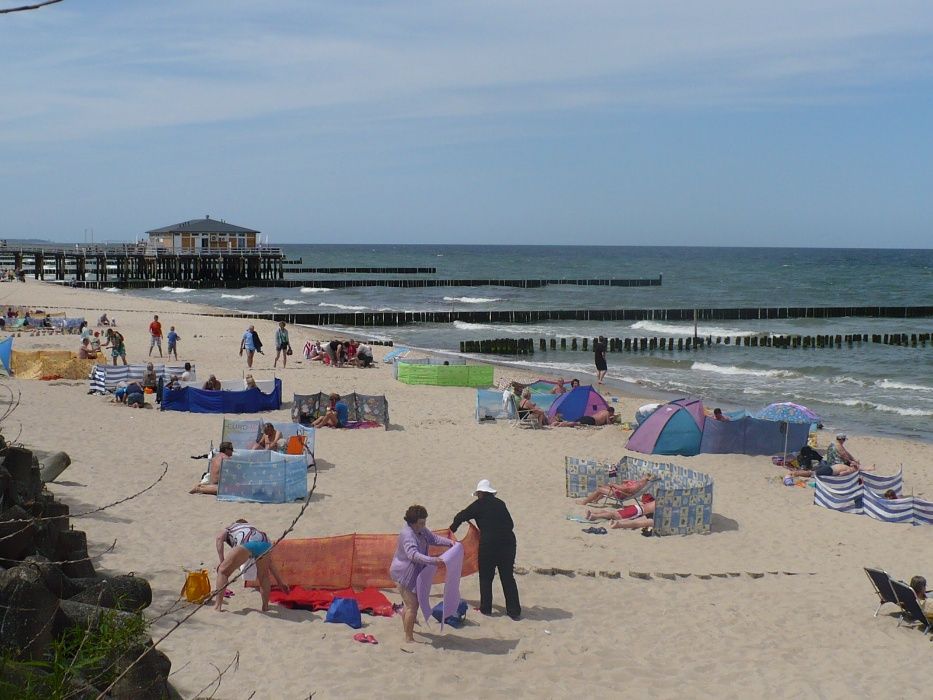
(72, 71)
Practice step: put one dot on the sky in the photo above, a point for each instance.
(611, 123)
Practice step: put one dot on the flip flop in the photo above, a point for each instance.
(361, 638)
(595, 530)
(371, 639)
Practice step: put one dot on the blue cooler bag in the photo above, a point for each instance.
(455, 621)
(345, 610)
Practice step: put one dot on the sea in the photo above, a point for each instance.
(872, 388)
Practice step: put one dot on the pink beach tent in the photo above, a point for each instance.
(576, 403)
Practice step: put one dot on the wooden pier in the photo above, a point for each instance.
(131, 264)
(359, 270)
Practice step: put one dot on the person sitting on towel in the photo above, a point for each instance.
(223, 452)
(212, 384)
(837, 453)
(336, 416)
(270, 438)
(633, 517)
(315, 353)
(837, 462)
(603, 417)
(527, 406)
(621, 491)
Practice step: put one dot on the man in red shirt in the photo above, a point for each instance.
(155, 335)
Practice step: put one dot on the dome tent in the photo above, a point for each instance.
(576, 403)
(676, 428)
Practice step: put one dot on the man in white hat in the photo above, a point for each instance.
(496, 547)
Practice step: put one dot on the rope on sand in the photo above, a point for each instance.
(646, 576)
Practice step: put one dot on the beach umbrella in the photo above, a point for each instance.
(788, 412)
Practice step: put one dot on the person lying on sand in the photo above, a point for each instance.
(603, 417)
(224, 452)
(621, 491)
(632, 517)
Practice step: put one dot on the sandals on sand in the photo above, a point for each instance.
(595, 530)
(364, 638)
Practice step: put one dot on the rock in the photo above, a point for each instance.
(129, 593)
(589, 573)
(84, 616)
(52, 464)
(640, 574)
(611, 574)
(29, 612)
(52, 576)
(564, 572)
(17, 533)
(147, 680)
(543, 570)
(520, 570)
(72, 548)
(668, 576)
(26, 483)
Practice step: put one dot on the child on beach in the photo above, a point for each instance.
(172, 339)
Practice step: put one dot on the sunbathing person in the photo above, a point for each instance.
(919, 586)
(270, 438)
(560, 388)
(527, 406)
(603, 417)
(224, 452)
(336, 415)
(837, 462)
(632, 517)
(621, 491)
(558, 422)
(212, 384)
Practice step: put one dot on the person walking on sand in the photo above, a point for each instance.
(246, 542)
(172, 339)
(599, 349)
(496, 547)
(116, 344)
(248, 344)
(411, 556)
(155, 335)
(282, 346)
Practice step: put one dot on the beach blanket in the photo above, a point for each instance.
(355, 560)
(369, 600)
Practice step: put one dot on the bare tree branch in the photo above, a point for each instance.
(24, 8)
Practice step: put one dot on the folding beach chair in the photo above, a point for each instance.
(613, 499)
(907, 599)
(882, 583)
(524, 419)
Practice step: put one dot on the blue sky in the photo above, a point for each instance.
(714, 123)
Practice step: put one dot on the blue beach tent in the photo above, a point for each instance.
(6, 354)
(676, 428)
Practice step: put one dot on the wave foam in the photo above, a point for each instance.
(672, 329)
(341, 306)
(884, 408)
(111, 289)
(733, 370)
(313, 290)
(237, 296)
(473, 300)
(888, 384)
(292, 302)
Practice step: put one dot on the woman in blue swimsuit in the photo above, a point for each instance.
(246, 542)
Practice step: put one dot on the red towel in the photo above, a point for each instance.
(370, 600)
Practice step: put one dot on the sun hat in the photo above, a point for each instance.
(841, 436)
(484, 486)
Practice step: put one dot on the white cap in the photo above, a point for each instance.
(484, 486)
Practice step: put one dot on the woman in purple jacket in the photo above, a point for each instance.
(411, 556)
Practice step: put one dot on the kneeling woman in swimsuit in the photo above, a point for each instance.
(247, 542)
(633, 517)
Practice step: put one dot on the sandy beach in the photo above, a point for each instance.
(772, 603)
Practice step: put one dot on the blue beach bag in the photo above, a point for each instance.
(455, 621)
(345, 610)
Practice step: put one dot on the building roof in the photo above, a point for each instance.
(205, 225)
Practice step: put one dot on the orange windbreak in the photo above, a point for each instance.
(355, 561)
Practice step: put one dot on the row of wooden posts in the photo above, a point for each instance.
(526, 346)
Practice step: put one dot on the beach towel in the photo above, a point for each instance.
(453, 563)
(369, 600)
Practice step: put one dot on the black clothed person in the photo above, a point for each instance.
(496, 547)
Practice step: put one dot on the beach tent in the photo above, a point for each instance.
(362, 411)
(752, 436)
(445, 375)
(355, 560)
(576, 403)
(263, 476)
(676, 428)
(200, 401)
(6, 352)
(104, 378)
